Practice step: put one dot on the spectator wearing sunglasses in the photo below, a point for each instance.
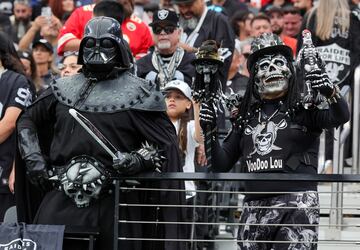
(68, 65)
(168, 61)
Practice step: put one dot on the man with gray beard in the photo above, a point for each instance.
(201, 24)
(168, 61)
(21, 20)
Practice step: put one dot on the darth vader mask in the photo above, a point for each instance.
(103, 46)
(272, 76)
(100, 54)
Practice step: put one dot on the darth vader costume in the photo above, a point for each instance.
(130, 113)
(275, 133)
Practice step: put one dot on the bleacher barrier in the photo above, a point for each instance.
(336, 227)
(326, 227)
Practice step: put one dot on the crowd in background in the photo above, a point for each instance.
(47, 34)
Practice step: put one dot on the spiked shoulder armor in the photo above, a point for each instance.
(108, 96)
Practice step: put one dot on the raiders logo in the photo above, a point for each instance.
(162, 14)
(19, 244)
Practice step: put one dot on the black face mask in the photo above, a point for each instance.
(103, 49)
(100, 54)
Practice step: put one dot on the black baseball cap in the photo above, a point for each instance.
(165, 16)
(44, 43)
(275, 9)
(181, 1)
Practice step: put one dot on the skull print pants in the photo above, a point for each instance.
(288, 221)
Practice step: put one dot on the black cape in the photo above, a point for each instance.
(126, 129)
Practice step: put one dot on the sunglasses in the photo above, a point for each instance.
(168, 29)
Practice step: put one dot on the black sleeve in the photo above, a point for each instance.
(226, 155)
(20, 95)
(337, 114)
(142, 67)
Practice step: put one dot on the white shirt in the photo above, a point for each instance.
(191, 145)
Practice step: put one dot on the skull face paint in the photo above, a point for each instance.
(272, 76)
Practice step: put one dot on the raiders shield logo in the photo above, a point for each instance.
(19, 244)
(162, 14)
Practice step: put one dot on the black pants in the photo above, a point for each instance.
(7, 200)
(257, 233)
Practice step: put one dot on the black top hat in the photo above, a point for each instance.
(265, 44)
(208, 51)
(165, 16)
(44, 43)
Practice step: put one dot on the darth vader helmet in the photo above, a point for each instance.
(103, 47)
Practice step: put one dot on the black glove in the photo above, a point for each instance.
(146, 158)
(36, 169)
(131, 164)
(207, 116)
(35, 163)
(320, 81)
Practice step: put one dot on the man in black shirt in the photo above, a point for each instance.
(200, 24)
(275, 133)
(168, 61)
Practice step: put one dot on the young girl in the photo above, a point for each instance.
(179, 103)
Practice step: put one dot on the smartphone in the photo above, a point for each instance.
(46, 12)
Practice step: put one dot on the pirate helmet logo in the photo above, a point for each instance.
(162, 14)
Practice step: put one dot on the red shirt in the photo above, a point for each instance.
(289, 41)
(135, 32)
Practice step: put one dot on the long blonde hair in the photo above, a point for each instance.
(327, 13)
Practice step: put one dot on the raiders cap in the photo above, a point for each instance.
(182, 86)
(165, 16)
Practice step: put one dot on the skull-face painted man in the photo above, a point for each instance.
(130, 112)
(275, 133)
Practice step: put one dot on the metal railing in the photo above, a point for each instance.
(356, 122)
(340, 135)
(334, 226)
(155, 177)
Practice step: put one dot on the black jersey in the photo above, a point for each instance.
(213, 26)
(341, 52)
(14, 92)
(272, 142)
